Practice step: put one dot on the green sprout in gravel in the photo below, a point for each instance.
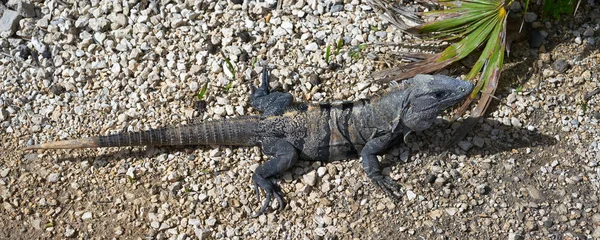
(355, 52)
(232, 70)
(202, 92)
(339, 45)
(131, 180)
(327, 54)
(519, 89)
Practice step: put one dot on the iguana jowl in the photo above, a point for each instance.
(325, 132)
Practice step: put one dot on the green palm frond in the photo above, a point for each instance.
(473, 24)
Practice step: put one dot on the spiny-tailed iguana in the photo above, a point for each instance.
(325, 132)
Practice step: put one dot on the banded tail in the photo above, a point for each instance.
(233, 132)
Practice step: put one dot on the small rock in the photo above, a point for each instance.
(483, 189)
(314, 79)
(431, 178)
(321, 171)
(311, 47)
(244, 36)
(25, 9)
(9, 22)
(536, 39)
(515, 236)
(530, 17)
(531, 226)
(193, 86)
(588, 32)
(560, 65)
(86, 216)
(3, 114)
(478, 141)
(4, 172)
(211, 221)
(451, 211)
(435, 214)
(586, 75)
(515, 122)
(465, 145)
(596, 233)
(310, 178)
(57, 89)
(53, 177)
(411, 195)
(336, 8)
(69, 232)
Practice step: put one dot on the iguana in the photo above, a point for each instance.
(324, 132)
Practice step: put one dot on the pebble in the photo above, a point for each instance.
(3, 114)
(211, 221)
(560, 65)
(53, 177)
(70, 232)
(310, 178)
(9, 23)
(465, 145)
(86, 216)
(411, 195)
(312, 47)
(515, 122)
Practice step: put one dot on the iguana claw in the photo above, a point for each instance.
(391, 188)
(270, 190)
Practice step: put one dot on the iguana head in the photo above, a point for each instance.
(428, 96)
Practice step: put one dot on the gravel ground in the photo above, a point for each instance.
(529, 170)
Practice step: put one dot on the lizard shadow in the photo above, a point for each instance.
(488, 137)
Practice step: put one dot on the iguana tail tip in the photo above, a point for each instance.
(66, 144)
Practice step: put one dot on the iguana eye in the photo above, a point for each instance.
(463, 89)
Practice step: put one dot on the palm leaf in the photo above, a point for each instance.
(474, 23)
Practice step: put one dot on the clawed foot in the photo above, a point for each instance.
(389, 186)
(270, 191)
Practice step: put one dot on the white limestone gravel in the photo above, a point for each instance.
(529, 169)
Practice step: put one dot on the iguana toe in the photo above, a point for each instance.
(391, 188)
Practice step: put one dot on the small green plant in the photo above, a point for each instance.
(131, 180)
(339, 45)
(202, 92)
(232, 70)
(519, 89)
(229, 86)
(355, 53)
(327, 54)
(49, 224)
(374, 29)
(230, 66)
(254, 61)
(557, 8)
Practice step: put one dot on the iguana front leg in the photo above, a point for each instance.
(284, 156)
(270, 103)
(370, 163)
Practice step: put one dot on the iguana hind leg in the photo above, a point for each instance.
(370, 163)
(270, 103)
(284, 156)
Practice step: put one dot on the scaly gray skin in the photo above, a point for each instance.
(323, 132)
